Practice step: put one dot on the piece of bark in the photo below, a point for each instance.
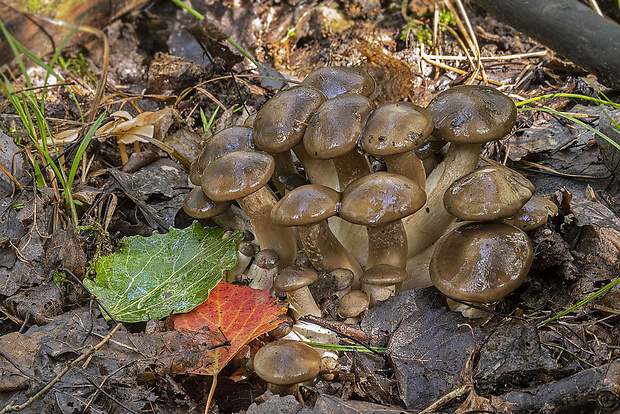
(569, 28)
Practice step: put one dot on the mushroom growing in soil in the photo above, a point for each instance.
(352, 305)
(231, 139)
(333, 81)
(466, 116)
(379, 201)
(380, 281)
(481, 262)
(279, 127)
(332, 134)
(488, 193)
(127, 130)
(308, 207)
(393, 131)
(242, 176)
(285, 363)
(533, 214)
(294, 280)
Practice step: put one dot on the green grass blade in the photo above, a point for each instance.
(579, 304)
(605, 101)
(82, 148)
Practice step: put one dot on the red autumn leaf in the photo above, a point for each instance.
(240, 312)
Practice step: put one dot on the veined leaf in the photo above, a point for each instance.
(151, 277)
(240, 313)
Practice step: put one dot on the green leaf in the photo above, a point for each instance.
(151, 277)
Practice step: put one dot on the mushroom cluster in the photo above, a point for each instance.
(301, 172)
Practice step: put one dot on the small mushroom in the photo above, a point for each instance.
(263, 269)
(379, 201)
(197, 205)
(353, 304)
(488, 193)
(308, 207)
(243, 175)
(332, 134)
(533, 214)
(380, 281)
(335, 80)
(227, 140)
(343, 280)
(394, 131)
(280, 331)
(294, 280)
(245, 253)
(127, 130)
(285, 363)
(481, 262)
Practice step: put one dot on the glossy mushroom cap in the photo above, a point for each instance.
(396, 127)
(380, 198)
(294, 277)
(197, 205)
(488, 193)
(231, 139)
(533, 214)
(336, 80)
(353, 303)
(481, 262)
(280, 123)
(305, 205)
(236, 175)
(472, 114)
(287, 362)
(334, 128)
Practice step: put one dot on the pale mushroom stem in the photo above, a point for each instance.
(303, 303)
(318, 171)
(136, 146)
(123, 150)
(407, 164)
(325, 252)
(350, 167)
(426, 225)
(257, 207)
(387, 244)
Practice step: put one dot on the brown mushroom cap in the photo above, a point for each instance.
(336, 80)
(280, 123)
(234, 138)
(286, 362)
(481, 262)
(294, 277)
(472, 114)
(533, 214)
(236, 175)
(383, 274)
(304, 205)
(353, 303)
(197, 205)
(380, 198)
(488, 193)
(396, 127)
(334, 128)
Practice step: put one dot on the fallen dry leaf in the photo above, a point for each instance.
(232, 313)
